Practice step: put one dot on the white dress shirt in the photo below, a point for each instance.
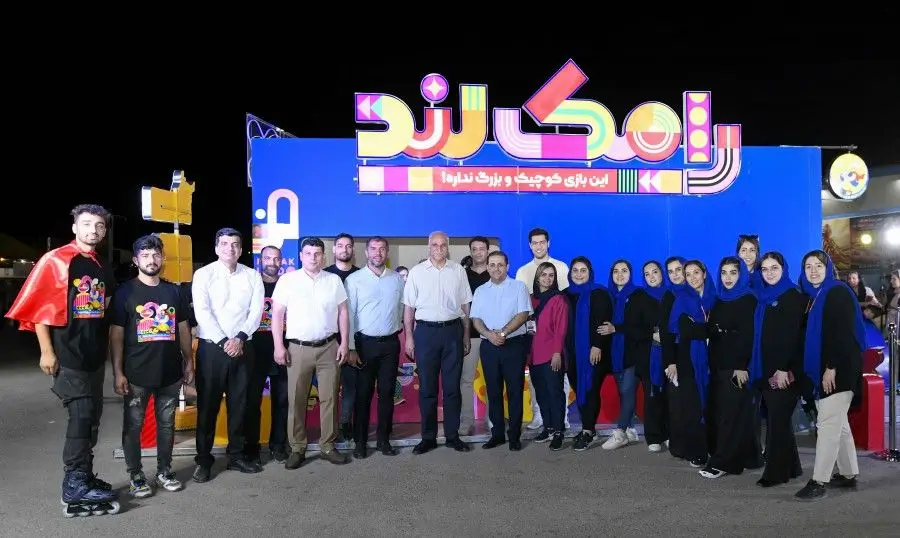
(227, 303)
(526, 273)
(311, 303)
(437, 294)
(375, 303)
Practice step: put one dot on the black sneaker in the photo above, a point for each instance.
(279, 455)
(584, 440)
(557, 442)
(347, 431)
(840, 481)
(201, 474)
(812, 491)
(544, 436)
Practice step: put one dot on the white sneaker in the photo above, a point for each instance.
(168, 481)
(655, 447)
(536, 424)
(632, 435)
(617, 440)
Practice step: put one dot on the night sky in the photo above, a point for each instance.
(132, 127)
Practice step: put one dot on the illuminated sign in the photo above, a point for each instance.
(554, 162)
(848, 177)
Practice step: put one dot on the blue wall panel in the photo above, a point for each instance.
(776, 195)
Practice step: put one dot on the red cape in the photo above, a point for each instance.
(44, 297)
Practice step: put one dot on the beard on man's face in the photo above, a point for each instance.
(149, 270)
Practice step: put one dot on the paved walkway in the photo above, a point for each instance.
(628, 492)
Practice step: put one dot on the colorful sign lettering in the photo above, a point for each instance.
(652, 133)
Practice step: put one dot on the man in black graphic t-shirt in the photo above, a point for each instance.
(64, 302)
(343, 267)
(264, 366)
(150, 344)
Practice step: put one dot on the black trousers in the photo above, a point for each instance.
(165, 401)
(782, 458)
(218, 373)
(380, 358)
(81, 394)
(687, 427)
(550, 392)
(737, 444)
(262, 368)
(656, 409)
(439, 355)
(505, 365)
(590, 409)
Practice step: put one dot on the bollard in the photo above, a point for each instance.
(892, 454)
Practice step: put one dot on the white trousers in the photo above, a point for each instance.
(834, 443)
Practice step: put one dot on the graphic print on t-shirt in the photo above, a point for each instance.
(155, 322)
(90, 298)
(265, 323)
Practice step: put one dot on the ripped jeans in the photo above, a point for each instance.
(165, 403)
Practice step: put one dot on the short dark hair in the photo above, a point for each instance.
(267, 247)
(343, 235)
(501, 254)
(377, 239)
(147, 242)
(402, 268)
(538, 231)
(90, 209)
(479, 239)
(312, 242)
(229, 232)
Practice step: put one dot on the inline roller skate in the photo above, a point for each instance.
(82, 496)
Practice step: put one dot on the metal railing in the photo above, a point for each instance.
(892, 454)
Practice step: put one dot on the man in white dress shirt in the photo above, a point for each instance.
(316, 305)
(437, 298)
(228, 305)
(539, 242)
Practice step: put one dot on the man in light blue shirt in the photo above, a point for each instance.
(375, 297)
(500, 309)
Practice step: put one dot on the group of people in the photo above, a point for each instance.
(707, 344)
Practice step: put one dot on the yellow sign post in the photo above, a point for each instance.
(174, 206)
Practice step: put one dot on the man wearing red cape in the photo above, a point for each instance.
(63, 301)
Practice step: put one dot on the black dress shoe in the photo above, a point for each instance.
(360, 452)
(493, 442)
(386, 448)
(457, 445)
(201, 474)
(515, 446)
(425, 446)
(294, 461)
(244, 466)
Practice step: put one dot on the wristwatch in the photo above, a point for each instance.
(503, 334)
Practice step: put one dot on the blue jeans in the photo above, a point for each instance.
(626, 382)
(551, 397)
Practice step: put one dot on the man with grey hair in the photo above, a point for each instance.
(437, 299)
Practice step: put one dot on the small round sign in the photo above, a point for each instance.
(849, 177)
